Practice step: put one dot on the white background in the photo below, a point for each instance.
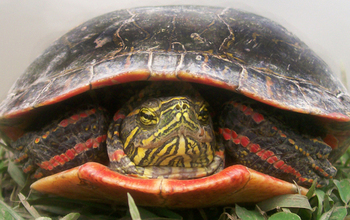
(27, 27)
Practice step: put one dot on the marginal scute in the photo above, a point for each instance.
(245, 40)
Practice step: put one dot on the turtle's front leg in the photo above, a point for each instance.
(264, 143)
(72, 140)
(118, 160)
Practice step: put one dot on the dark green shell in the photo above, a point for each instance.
(221, 47)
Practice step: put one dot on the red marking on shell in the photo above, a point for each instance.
(269, 85)
(331, 140)
(244, 141)
(117, 155)
(72, 119)
(197, 78)
(257, 117)
(137, 75)
(338, 116)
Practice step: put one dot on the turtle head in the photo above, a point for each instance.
(174, 131)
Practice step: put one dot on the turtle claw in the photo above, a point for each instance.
(322, 168)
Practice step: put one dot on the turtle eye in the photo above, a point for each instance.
(203, 114)
(148, 117)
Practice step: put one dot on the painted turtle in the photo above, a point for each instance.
(242, 92)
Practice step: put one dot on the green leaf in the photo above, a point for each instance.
(304, 213)
(326, 203)
(312, 189)
(3, 166)
(338, 213)
(320, 198)
(7, 212)
(246, 214)
(284, 216)
(16, 174)
(164, 212)
(343, 187)
(71, 216)
(134, 212)
(5, 141)
(285, 201)
(29, 208)
(326, 215)
(146, 214)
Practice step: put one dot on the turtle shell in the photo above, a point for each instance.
(221, 47)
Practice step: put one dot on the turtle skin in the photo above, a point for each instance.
(252, 134)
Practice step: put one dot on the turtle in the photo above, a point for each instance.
(171, 103)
